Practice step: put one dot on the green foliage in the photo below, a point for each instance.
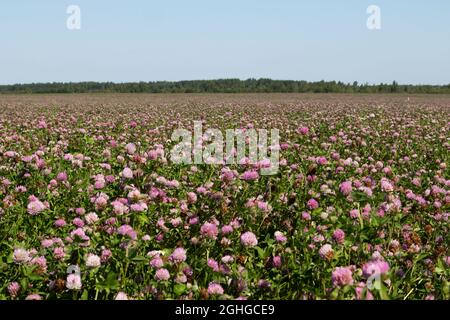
(221, 86)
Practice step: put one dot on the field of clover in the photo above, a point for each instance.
(91, 207)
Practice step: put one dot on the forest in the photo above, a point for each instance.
(222, 86)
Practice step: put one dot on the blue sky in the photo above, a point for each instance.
(206, 39)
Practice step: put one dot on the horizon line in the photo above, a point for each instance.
(225, 79)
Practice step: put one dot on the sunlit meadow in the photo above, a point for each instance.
(93, 208)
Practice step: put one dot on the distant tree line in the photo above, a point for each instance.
(221, 86)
